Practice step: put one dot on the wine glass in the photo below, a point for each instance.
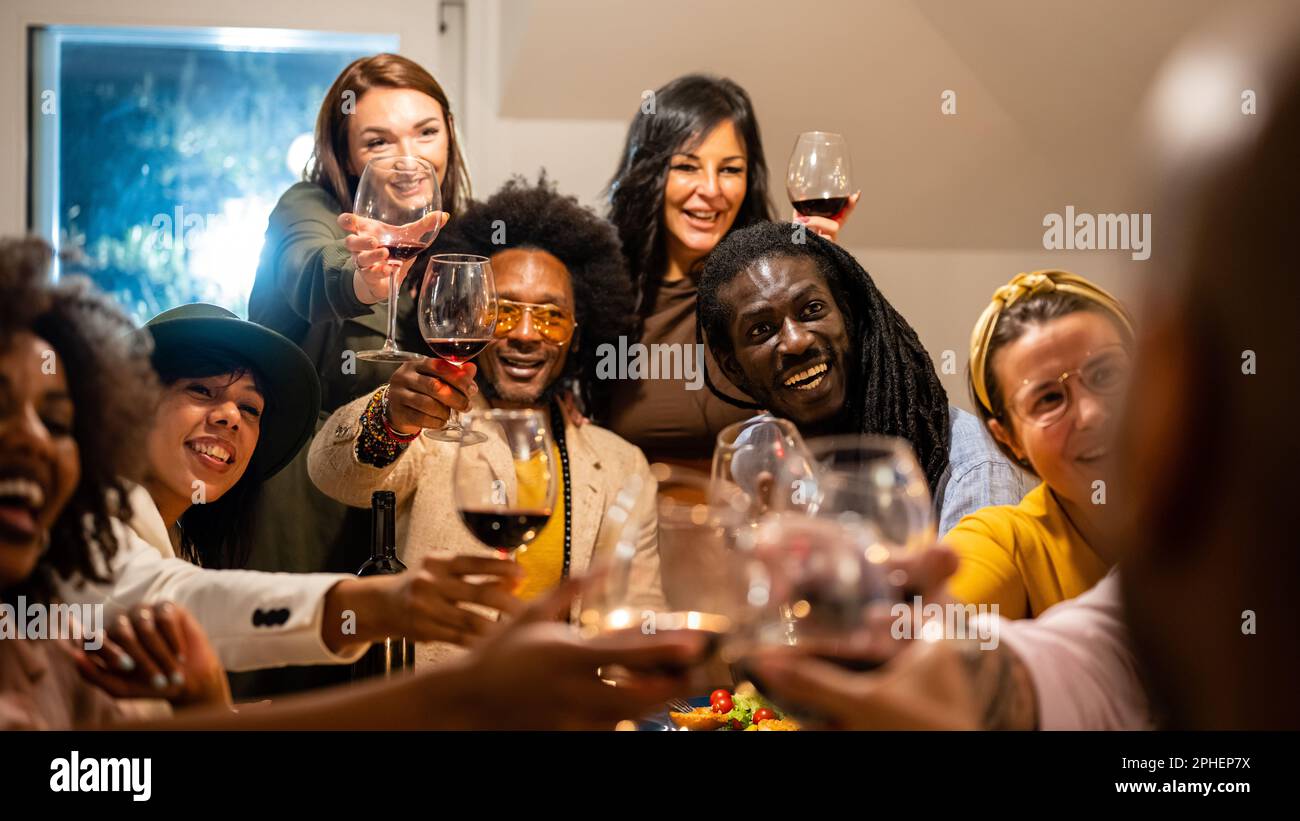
(819, 180)
(704, 581)
(866, 478)
(824, 592)
(458, 315)
(747, 459)
(402, 195)
(505, 484)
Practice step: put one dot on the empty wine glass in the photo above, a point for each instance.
(704, 581)
(873, 479)
(748, 459)
(401, 197)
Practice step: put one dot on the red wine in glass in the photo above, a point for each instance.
(506, 530)
(404, 251)
(819, 178)
(457, 311)
(457, 351)
(821, 207)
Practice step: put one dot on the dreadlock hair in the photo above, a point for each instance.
(114, 395)
(536, 217)
(685, 111)
(895, 390)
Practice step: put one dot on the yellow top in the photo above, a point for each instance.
(542, 560)
(1024, 558)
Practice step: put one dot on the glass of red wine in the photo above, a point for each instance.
(458, 314)
(820, 178)
(826, 593)
(402, 197)
(505, 484)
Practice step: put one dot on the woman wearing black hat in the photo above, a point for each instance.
(238, 402)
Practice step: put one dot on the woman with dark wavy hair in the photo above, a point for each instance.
(692, 171)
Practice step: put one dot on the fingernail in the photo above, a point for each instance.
(126, 663)
(178, 678)
(159, 681)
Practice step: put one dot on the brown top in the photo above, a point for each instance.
(41, 689)
(671, 418)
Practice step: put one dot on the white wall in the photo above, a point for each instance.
(940, 290)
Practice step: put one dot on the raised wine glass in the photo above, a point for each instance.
(458, 315)
(872, 479)
(819, 180)
(827, 593)
(401, 194)
(505, 484)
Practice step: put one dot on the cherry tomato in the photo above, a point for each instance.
(736, 725)
(763, 714)
(723, 705)
(717, 694)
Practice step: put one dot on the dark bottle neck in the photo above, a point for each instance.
(383, 541)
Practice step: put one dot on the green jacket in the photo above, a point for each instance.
(304, 290)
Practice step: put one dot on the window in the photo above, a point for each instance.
(157, 154)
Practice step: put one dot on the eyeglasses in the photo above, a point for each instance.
(1046, 402)
(553, 323)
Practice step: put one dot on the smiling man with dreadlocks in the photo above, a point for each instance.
(798, 324)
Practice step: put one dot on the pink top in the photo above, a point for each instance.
(1079, 657)
(41, 689)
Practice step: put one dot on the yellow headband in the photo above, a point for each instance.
(1023, 286)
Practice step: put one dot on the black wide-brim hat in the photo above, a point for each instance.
(288, 378)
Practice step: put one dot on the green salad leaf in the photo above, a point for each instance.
(743, 708)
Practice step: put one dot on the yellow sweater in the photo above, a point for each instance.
(1024, 558)
(543, 560)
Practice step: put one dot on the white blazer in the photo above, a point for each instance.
(253, 619)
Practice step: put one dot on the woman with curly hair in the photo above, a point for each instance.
(563, 294)
(77, 396)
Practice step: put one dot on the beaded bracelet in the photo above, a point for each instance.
(377, 443)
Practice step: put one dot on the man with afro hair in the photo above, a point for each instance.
(562, 291)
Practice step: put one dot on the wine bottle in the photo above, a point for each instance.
(392, 654)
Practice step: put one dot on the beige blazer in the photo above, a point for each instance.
(427, 521)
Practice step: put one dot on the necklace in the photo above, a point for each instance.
(557, 425)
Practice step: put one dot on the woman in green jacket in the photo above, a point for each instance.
(321, 282)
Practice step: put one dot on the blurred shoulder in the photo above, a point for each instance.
(306, 198)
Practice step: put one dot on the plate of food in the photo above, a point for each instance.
(744, 710)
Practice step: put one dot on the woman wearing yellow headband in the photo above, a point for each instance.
(1049, 360)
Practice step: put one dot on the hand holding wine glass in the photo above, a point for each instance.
(458, 317)
(819, 182)
(365, 241)
(423, 393)
(397, 206)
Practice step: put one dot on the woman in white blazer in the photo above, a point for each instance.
(238, 402)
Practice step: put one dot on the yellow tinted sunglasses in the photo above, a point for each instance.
(552, 322)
